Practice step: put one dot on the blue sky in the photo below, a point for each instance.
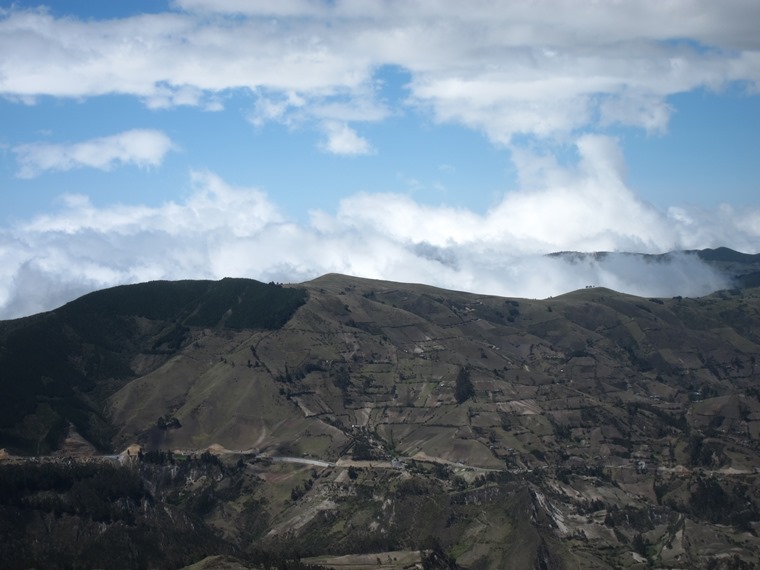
(415, 141)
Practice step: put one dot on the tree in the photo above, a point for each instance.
(464, 389)
(342, 379)
(640, 544)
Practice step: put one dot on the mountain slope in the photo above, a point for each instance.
(594, 429)
(58, 368)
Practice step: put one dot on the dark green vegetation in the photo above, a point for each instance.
(58, 368)
(591, 430)
(231, 303)
(141, 515)
(92, 515)
(463, 388)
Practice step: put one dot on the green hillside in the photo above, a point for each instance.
(59, 367)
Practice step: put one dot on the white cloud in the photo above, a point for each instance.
(585, 208)
(544, 68)
(140, 147)
(220, 230)
(651, 113)
(343, 140)
(283, 8)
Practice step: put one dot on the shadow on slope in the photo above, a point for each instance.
(59, 367)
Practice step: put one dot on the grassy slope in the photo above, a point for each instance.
(57, 368)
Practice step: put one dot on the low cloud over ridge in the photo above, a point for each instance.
(221, 230)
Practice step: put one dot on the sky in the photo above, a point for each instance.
(432, 141)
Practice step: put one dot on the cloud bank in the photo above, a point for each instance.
(221, 230)
(542, 68)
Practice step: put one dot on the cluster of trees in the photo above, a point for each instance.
(463, 389)
(366, 449)
(124, 516)
(99, 491)
(289, 376)
(514, 312)
(704, 452)
(710, 501)
(168, 422)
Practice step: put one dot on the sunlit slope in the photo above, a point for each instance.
(592, 373)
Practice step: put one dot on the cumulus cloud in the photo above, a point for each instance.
(343, 140)
(586, 208)
(544, 68)
(221, 230)
(140, 147)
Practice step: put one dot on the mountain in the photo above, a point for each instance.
(741, 270)
(369, 423)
